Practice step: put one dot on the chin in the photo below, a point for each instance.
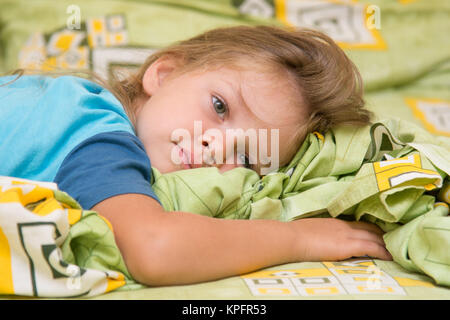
(163, 169)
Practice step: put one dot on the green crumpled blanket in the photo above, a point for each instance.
(389, 173)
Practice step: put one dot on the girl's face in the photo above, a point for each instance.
(223, 118)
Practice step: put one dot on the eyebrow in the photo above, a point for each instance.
(237, 92)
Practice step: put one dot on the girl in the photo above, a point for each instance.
(99, 146)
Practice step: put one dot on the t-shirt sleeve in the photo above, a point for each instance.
(106, 165)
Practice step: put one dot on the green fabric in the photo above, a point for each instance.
(418, 231)
(413, 61)
(414, 64)
(151, 23)
(50, 247)
(148, 24)
(409, 31)
(335, 176)
(91, 244)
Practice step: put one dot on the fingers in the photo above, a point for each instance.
(371, 249)
(370, 239)
(367, 235)
(367, 226)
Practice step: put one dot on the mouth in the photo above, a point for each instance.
(184, 158)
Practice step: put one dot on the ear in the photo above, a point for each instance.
(157, 72)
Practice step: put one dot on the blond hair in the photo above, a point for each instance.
(327, 79)
(329, 83)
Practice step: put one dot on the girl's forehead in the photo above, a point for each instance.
(259, 100)
(271, 102)
(269, 97)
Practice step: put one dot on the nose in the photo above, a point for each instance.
(201, 154)
(210, 152)
(214, 154)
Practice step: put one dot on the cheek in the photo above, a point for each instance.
(163, 117)
(158, 131)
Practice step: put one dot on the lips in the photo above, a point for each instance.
(184, 158)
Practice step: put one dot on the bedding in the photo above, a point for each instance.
(51, 247)
(403, 52)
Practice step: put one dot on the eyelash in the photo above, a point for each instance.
(215, 99)
(246, 162)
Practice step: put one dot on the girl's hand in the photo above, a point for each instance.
(330, 239)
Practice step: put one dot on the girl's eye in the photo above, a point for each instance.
(219, 106)
(245, 161)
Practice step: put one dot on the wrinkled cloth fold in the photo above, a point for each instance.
(390, 173)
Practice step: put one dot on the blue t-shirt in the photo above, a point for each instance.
(73, 132)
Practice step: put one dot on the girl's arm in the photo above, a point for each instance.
(171, 248)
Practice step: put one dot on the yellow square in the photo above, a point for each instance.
(275, 291)
(351, 271)
(322, 290)
(382, 289)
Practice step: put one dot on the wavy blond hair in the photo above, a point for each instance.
(327, 79)
(330, 84)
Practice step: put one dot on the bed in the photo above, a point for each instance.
(401, 48)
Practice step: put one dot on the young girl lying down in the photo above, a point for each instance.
(98, 145)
